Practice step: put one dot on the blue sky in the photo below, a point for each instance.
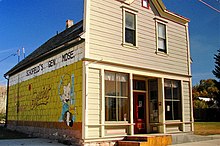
(30, 23)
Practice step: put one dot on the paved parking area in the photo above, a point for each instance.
(29, 142)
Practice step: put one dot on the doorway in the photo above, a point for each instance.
(139, 113)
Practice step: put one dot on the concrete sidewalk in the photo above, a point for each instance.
(47, 142)
(214, 142)
(29, 142)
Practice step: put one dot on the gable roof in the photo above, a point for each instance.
(163, 12)
(49, 47)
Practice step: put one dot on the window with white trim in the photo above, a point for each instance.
(130, 28)
(161, 37)
(173, 104)
(116, 96)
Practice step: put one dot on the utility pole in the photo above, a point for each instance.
(23, 50)
(18, 53)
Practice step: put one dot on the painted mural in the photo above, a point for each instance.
(55, 96)
(40, 98)
(67, 97)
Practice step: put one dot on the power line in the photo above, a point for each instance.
(7, 57)
(208, 5)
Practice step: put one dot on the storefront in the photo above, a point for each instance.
(136, 101)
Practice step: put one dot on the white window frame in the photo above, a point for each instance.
(174, 100)
(135, 12)
(166, 37)
(117, 97)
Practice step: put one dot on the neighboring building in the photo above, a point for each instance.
(124, 70)
(206, 99)
(2, 100)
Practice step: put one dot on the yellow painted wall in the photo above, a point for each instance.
(38, 99)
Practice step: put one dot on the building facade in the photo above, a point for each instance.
(2, 100)
(124, 70)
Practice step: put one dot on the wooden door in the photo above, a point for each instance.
(139, 113)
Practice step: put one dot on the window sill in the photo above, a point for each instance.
(161, 53)
(119, 123)
(173, 122)
(130, 46)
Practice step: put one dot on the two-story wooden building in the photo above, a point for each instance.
(125, 69)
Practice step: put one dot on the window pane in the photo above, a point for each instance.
(161, 31)
(122, 85)
(145, 3)
(153, 95)
(116, 100)
(169, 109)
(139, 85)
(161, 44)
(177, 110)
(110, 84)
(130, 36)
(129, 20)
(168, 93)
(176, 91)
(173, 100)
(110, 109)
(123, 109)
(109, 76)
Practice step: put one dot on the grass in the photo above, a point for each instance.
(207, 128)
(8, 134)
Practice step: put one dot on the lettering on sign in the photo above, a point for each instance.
(34, 70)
(51, 63)
(68, 56)
(65, 57)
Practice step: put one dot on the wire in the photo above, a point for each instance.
(7, 57)
(209, 5)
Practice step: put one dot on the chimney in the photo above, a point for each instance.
(69, 23)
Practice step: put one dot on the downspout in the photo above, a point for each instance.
(6, 119)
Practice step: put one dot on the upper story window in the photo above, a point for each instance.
(130, 28)
(161, 37)
(145, 4)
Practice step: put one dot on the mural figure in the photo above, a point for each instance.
(68, 100)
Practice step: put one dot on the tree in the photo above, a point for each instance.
(206, 88)
(216, 71)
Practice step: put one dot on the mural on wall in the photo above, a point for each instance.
(67, 97)
(41, 97)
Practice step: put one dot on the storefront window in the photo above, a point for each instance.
(173, 103)
(153, 96)
(116, 96)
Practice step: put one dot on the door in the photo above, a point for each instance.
(139, 113)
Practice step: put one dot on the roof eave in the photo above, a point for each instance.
(17, 69)
(163, 12)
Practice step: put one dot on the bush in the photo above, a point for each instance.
(207, 115)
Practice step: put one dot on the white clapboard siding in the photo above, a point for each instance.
(94, 102)
(106, 33)
(187, 103)
(188, 127)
